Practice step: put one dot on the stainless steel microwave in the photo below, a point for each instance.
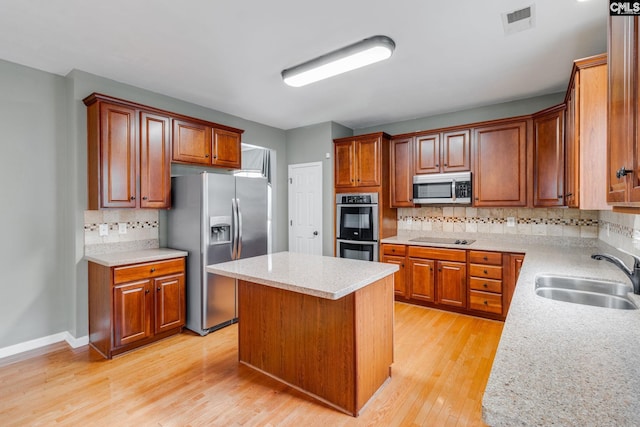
(442, 188)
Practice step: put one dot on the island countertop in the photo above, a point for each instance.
(321, 276)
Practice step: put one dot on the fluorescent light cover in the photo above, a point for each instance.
(365, 52)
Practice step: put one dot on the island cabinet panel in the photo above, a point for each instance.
(338, 351)
(134, 305)
(500, 164)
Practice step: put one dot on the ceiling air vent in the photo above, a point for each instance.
(519, 20)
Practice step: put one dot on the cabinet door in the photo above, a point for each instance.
(452, 284)
(170, 302)
(422, 279)
(456, 151)
(117, 156)
(401, 173)
(344, 157)
(368, 162)
(515, 264)
(621, 105)
(399, 277)
(191, 143)
(227, 149)
(571, 183)
(155, 161)
(427, 159)
(548, 159)
(500, 165)
(132, 306)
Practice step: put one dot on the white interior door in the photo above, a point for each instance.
(305, 208)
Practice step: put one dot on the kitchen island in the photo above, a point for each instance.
(322, 325)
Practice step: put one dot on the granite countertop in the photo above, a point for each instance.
(560, 363)
(321, 276)
(114, 259)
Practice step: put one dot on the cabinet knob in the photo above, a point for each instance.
(215, 157)
(153, 269)
(486, 302)
(622, 172)
(132, 198)
(485, 285)
(486, 272)
(559, 196)
(206, 155)
(569, 194)
(477, 198)
(485, 258)
(445, 165)
(158, 288)
(144, 198)
(437, 165)
(393, 250)
(146, 291)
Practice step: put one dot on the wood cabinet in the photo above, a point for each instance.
(395, 254)
(400, 154)
(479, 283)
(586, 135)
(202, 144)
(443, 152)
(500, 164)
(437, 275)
(358, 161)
(134, 305)
(128, 156)
(548, 157)
(623, 142)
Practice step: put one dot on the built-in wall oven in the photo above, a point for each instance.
(357, 226)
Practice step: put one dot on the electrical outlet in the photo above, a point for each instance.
(511, 221)
(122, 228)
(104, 229)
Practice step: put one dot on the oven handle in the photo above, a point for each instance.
(358, 242)
(356, 205)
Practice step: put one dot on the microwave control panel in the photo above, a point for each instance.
(463, 189)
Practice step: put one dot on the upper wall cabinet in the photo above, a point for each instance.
(623, 142)
(442, 152)
(201, 144)
(586, 135)
(400, 150)
(548, 157)
(500, 164)
(358, 161)
(131, 147)
(128, 155)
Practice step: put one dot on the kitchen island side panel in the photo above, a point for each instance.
(318, 345)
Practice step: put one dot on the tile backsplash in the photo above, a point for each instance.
(620, 230)
(141, 230)
(535, 222)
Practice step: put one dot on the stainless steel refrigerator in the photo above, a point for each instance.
(216, 218)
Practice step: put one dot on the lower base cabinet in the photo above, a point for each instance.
(479, 283)
(134, 305)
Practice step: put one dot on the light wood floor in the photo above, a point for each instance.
(442, 362)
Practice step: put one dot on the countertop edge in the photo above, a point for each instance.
(116, 259)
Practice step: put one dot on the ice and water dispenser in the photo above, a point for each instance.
(220, 227)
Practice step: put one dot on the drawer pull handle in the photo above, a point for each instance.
(485, 258)
(485, 285)
(153, 269)
(486, 272)
(486, 302)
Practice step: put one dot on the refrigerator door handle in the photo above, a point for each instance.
(234, 228)
(239, 244)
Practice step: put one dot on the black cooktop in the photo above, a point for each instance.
(443, 240)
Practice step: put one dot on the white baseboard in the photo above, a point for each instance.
(41, 342)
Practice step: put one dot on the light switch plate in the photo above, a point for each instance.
(104, 229)
(511, 221)
(122, 228)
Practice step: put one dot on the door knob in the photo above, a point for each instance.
(315, 233)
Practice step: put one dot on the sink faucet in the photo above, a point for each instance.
(632, 274)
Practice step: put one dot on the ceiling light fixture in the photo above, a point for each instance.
(365, 52)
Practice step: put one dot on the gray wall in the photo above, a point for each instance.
(472, 115)
(35, 298)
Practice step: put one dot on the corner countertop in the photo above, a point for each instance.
(321, 276)
(560, 363)
(114, 259)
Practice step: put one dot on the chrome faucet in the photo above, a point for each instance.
(632, 274)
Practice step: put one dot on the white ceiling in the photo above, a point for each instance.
(228, 54)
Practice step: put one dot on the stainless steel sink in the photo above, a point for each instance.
(600, 293)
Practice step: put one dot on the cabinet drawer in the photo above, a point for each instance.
(488, 271)
(393, 249)
(437, 253)
(147, 270)
(482, 257)
(487, 285)
(484, 301)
